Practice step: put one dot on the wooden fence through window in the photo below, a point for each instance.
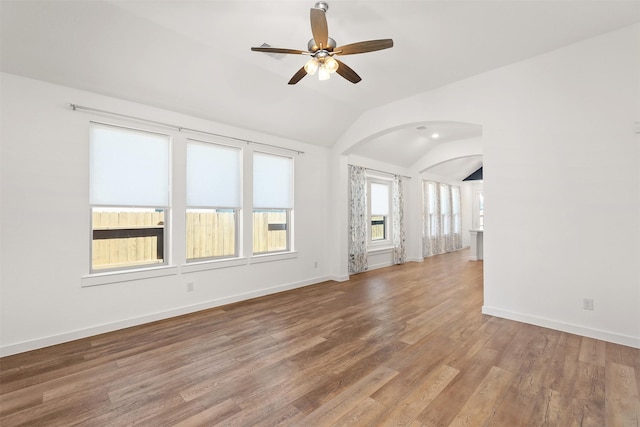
(122, 239)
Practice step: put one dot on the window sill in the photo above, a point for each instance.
(97, 279)
(257, 259)
(376, 249)
(214, 264)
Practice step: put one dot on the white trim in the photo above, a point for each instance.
(135, 321)
(257, 259)
(212, 264)
(382, 249)
(106, 278)
(564, 327)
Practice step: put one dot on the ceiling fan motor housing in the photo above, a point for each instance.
(313, 47)
(322, 5)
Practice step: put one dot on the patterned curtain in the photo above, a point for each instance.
(358, 261)
(397, 221)
(441, 218)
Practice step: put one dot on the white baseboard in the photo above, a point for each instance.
(35, 344)
(564, 327)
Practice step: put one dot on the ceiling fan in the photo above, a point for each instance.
(322, 50)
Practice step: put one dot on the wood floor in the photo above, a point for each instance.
(404, 345)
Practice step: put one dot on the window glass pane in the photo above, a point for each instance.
(272, 181)
(128, 167)
(455, 194)
(270, 230)
(379, 199)
(481, 210)
(213, 175)
(378, 227)
(211, 233)
(444, 199)
(432, 198)
(126, 237)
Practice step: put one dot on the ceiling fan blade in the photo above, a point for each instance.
(298, 76)
(319, 27)
(345, 71)
(362, 47)
(280, 50)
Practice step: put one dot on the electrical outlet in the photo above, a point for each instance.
(189, 286)
(587, 304)
(315, 264)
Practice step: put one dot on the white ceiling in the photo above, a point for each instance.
(405, 146)
(456, 169)
(194, 56)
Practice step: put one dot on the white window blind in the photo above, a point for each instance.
(128, 167)
(213, 175)
(379, 199)
(272, 181)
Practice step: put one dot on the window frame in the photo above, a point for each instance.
(236, 233)
(446, 213)
(387, 241)
(164, 244)
(161, 245)
(433, 208)
(288, 214)
(288, 211)
(237, 210)
(456, 209)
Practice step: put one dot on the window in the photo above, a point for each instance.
(379, 210)
(213, 200)
(128, 197)
(445, 210)
(433, 226)
(479, 209)
(455, 205)
(272, 203)
(442, 218)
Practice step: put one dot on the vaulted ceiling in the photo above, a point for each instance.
(194, 57)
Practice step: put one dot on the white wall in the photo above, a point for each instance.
(560, 158)
(45, 223)
(560, 180)
(561, 175)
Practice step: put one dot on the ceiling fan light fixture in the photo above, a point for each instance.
(311, 66)
(330, 64)
(323, 73)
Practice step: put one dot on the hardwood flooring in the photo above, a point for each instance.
(404, 345)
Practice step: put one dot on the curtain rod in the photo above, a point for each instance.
(76, 107)
(384, 172)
